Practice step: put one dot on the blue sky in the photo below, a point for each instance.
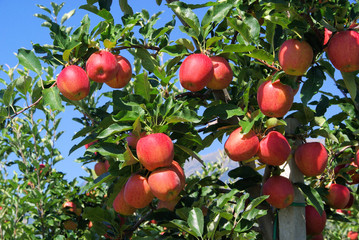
(19, 28)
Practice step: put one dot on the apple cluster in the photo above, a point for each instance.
(102, 67)
(164, 178)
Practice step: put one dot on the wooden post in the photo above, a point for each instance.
(292, 218)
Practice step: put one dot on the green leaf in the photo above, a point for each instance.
(23, 84)
(196, 221)
(243, 172)
(261, 54)
(191, 153)
(183, 11)
(185, 42)
(183, 115)
(225, 198)
(29, 60)
(248, 27)
(312, 195)
(66, 16)
(212, 41)
(311, 86)
(53, 99)
(114, 128)
(125, 7)
(148, 62)
(175, 50)
(238, 48)
(142, 86)
(349, 80)
(216, 14)
(158, 2)
(182, 225)
(8, 94)
(224, 111)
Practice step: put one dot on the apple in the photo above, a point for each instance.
(327, 35)
(175, 166)
(101, 167)
(356, 159)
(78, 211)
(343, 50)
(314, 221)
(70, 225)
(338, 168)
(165, 184)
(90, 224)
(170, 205)
(353, 173)
(137, 191)
(280, 191)
(275, 99)
(274, 149)
(295, 57)
(69, 206)
(102, 66)
(123, 75)
(73, 83)
(316, 237)
(132, 139)
(350, 202)
(311, 158)
(338, 196)
(353, 235)
(240, 147)
(222, 73)
(196, 72)
(121, 206)
(155, 150)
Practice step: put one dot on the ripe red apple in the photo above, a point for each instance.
(179, 170)
(137, 191)
(338, 196)
(343, 51)
(311, 158)
(195, 72)
(274, 149)
(132, 139)
(314, 221)
(121, 206)
(350, 202)
(155, 150)
(165, 184)
(170, 205)
(222, 73)
(353, 173)
(240, 147)
(275, 99)
(101, 167)
(90, 224)
(123, 75)
(356, 159)
(280, 191)
(73, 83)
(353, 235)
(70, 225)
(102, 66)
(69, 206)
(327, 35)
(316, 237)
(295, 57)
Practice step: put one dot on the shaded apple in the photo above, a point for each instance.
(69, 206)
(165, 184)
(240, 147)
(170, 205)
(343, 51)
(295, 57)
(123, 75)
(275, 99)
(274, 149)
(121, 206)
(175, 166)
(327, 35)
(338, 196)
(70, 225)
(311, 158)
(314, 222)
(316, 237)
(137, 192)
(350, 202)
(73, 83)
(132, 139)
(280, 191)
(102, 66)
(195, 72)
(222, 73)
(101, 167)
(155, 150)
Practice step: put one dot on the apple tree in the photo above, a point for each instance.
(250, 75)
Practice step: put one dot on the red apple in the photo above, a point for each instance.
(327, 35)
(343, 51)
(101, 167)
(102, 66)
(353, 235)
(70, 225)
(222, 73)
(123, 75)
(179, 170)
(311, 158)
(132, 139)
(69, 206)
(356, 159)
(170, 205)
(314, 221)
(275, 99)
(137, 191)
(121, 206)
(165, 184)
(350, 202)
(338, 196)
(90, 225)
(280, 191)
(338, 168)
(316, 237)
(73, 83)
(195, 72)
(295, 57)
(240, 147)
(155, 150)
(353, 173)
(274, 149)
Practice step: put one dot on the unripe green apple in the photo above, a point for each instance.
(280, 191)
(274, 149)
(123, 75)
(102, 66)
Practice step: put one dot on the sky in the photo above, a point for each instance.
(19, 28)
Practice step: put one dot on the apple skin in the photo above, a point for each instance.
(170, 205)
(102, 66)
(353, 235)
(280, 191)
(73, 83)
(69, 206)
(101, 167)
(155, 150)
(350, 202)
(222, 73)
(175, 166)
(356, 159)
(132, 139)
(316, 237)
(165, 184)
(314, 222)
(121, 206)
(240, 147)
(311, 158)
(123, 75)
(338, 196)
(274, 149)
(137, 191)
(70, 225)
(295, 57)
(343, 51)
(353, 174)
(327, 35)
(275, 99)
(195, 72)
